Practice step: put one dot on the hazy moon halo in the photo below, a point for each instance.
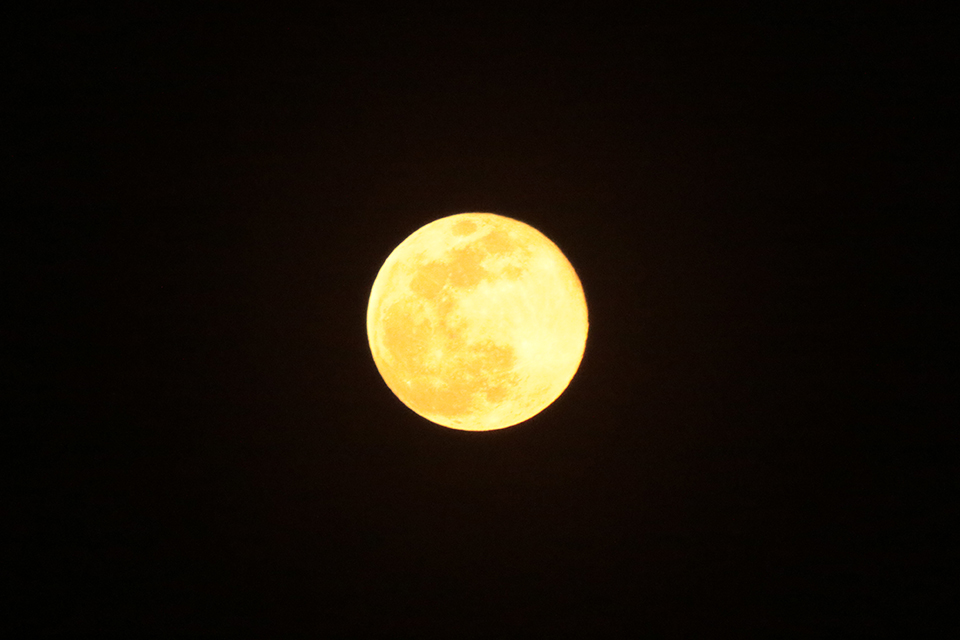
(477, 321)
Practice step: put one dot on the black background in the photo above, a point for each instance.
(752, 202)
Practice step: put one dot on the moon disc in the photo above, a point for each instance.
(477, 321)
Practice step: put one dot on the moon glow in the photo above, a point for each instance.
(477, 321)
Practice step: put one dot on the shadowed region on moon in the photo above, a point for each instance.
(457, 315)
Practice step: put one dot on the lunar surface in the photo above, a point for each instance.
(477, 321)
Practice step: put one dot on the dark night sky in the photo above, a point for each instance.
(750, 445)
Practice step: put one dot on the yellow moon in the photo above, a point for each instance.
(477, 321)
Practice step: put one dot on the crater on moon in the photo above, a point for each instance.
(477, 321)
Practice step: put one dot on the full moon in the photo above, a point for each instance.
(477, 321)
